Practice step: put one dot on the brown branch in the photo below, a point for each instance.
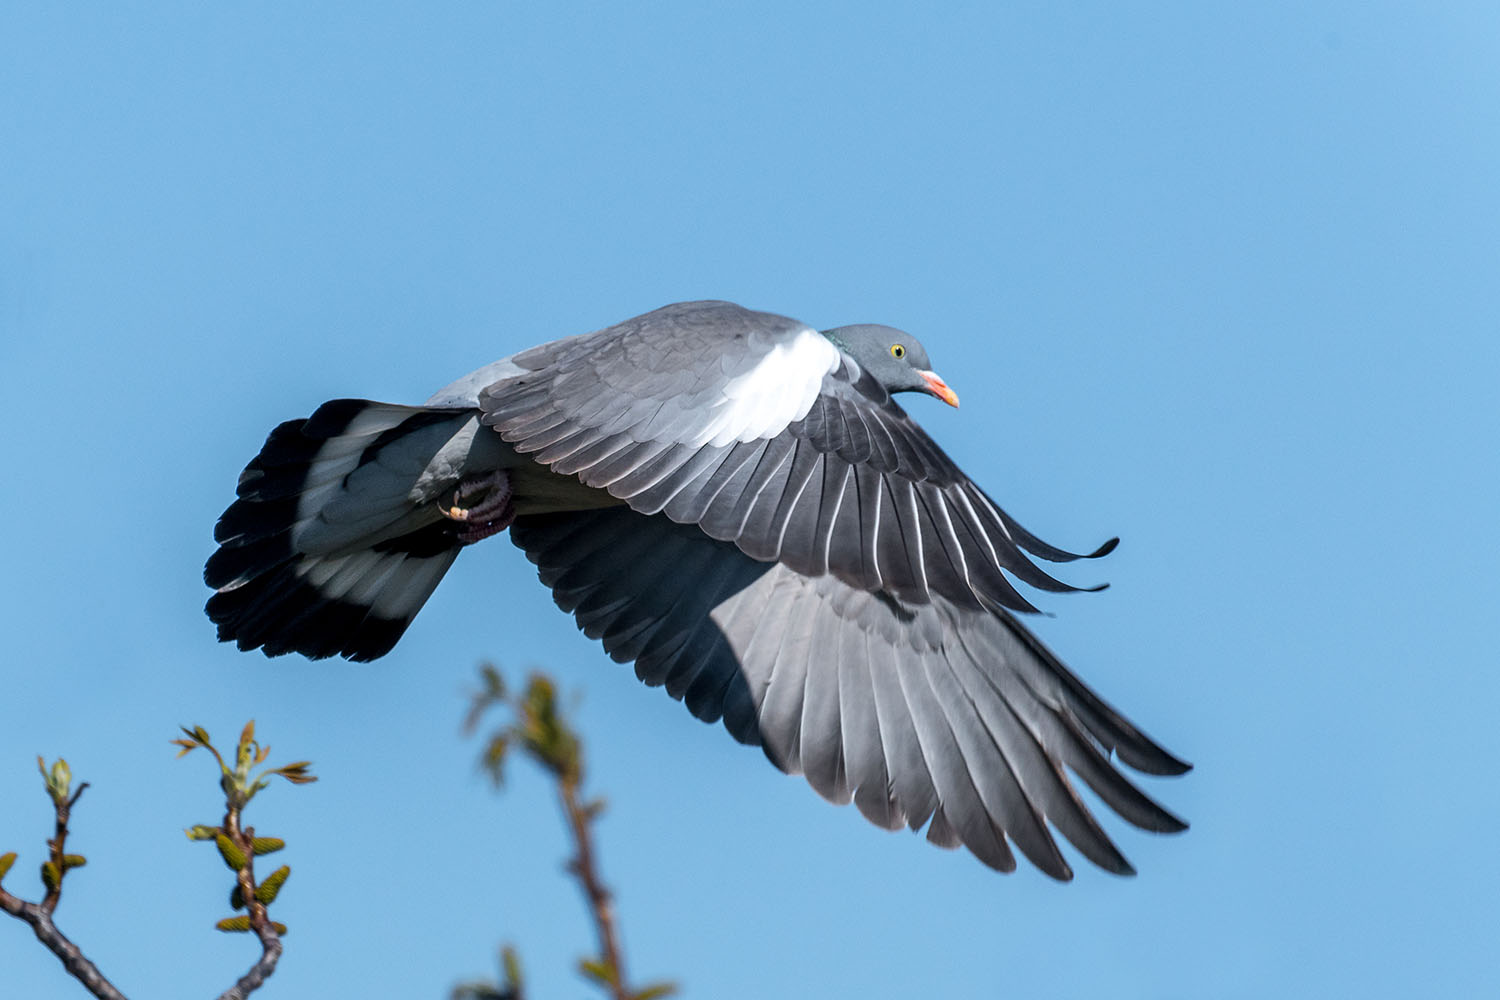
(237, 846)
(261, 970)
(39, 915)
(594, 890)
(541, 730)
(78, 967)
(260, 923)
(57, 846)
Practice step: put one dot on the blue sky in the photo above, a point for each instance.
(1220, 279)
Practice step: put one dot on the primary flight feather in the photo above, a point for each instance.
(733, 501)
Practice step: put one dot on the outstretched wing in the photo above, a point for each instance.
(758, 430)
(930, 713)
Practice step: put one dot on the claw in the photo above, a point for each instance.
(491, 514)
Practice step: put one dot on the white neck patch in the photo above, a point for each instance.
(778, 391)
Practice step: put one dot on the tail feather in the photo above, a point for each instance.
(329, 549)
(282, 612)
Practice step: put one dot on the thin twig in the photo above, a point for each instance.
(542, 731)
(240, 786)
(251, 981)
(237, 845)
(58, 847)
(39, 915)
(260, 923)
(594, 890)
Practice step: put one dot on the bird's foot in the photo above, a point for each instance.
(482, 504)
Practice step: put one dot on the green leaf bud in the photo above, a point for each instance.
(230, 851)
(655, 991)
(510, 962)
(598, 970)
(57, 778)
(267, 890)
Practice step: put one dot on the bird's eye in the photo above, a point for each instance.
(897, 351)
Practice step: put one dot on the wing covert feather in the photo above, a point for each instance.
(724, 418)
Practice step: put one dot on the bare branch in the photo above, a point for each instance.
(78, 967)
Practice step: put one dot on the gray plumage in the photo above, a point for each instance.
(736, 504)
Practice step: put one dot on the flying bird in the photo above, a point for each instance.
(735, 502)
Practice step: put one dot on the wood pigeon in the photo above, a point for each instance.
(733, 501)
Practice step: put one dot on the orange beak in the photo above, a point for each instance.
(939, 388)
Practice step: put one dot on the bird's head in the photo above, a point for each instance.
(893, 357)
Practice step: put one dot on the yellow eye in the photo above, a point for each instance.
(897, 351)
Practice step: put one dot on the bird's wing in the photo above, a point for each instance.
(917, 712)
(758, 430)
